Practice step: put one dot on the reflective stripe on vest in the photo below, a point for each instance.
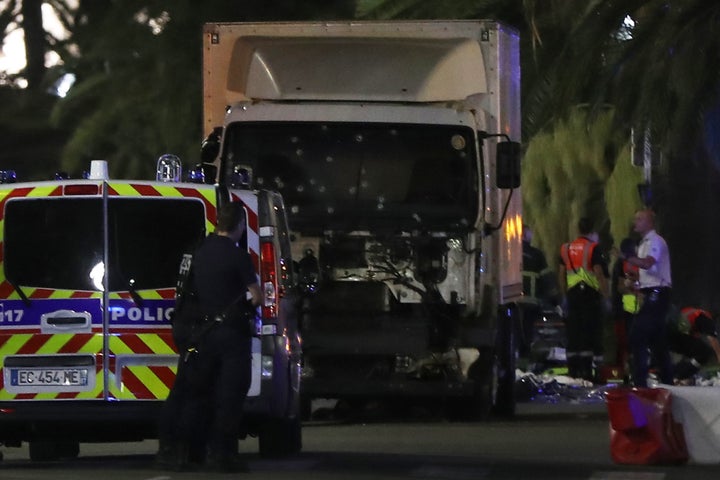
(577, 256)
(630, 301)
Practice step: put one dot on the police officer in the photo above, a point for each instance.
(221, 370)
(582, 276)
(649, 329)
(539, 289)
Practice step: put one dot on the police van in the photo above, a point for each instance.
(87, 285)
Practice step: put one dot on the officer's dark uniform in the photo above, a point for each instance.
(220, 373)
(537, 292)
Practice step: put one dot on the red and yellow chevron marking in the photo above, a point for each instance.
(8, 292)
(253, 228)
(36, 344)
(134, 374)
(141, 376)
(206, 194)
(159, 294)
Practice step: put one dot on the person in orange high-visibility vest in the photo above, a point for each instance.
(582, 276)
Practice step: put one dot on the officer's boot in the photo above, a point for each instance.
(174, 456)
(165, 457)
(223, 456)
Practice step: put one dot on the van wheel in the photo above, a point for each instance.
(43, 451)
(68, 449)
(49, 450)
(280, 437)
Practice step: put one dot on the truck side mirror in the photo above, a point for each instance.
(210, 147)
(507, 165)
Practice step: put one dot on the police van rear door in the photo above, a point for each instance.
(68, 249)
(150, 226)
(51, 331)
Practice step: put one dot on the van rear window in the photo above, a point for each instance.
(59, 243)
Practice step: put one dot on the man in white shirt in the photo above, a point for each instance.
(649, 329)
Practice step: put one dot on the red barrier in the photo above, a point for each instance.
(642, 429)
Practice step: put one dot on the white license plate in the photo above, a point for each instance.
(64, 377)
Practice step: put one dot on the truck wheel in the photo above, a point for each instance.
(280, 437)
(478, 407)
(305, 407)
(507, 353)
(486, 381)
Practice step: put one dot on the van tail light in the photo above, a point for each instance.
(268, 280)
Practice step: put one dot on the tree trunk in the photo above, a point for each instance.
(35, 43)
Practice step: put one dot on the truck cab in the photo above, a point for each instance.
(87, 288)
(392, 145)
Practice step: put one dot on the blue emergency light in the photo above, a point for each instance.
(7, 176)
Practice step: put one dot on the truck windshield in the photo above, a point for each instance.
(58, 242)
(361, 175)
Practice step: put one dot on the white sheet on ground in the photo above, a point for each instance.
(698, 409)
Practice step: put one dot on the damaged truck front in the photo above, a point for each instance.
(394, 147)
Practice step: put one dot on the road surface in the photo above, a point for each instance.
(542, 442)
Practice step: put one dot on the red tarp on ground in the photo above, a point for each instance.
(642, 428)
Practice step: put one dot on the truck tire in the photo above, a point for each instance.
(507, 353)
(305, 407)
(486, 381)
(479, 405)
(280, 437)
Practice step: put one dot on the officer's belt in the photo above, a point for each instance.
(657, 290)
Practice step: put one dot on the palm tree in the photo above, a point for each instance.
(138, 93)
(28, 16)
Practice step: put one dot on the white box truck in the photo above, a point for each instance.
(394, 145)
